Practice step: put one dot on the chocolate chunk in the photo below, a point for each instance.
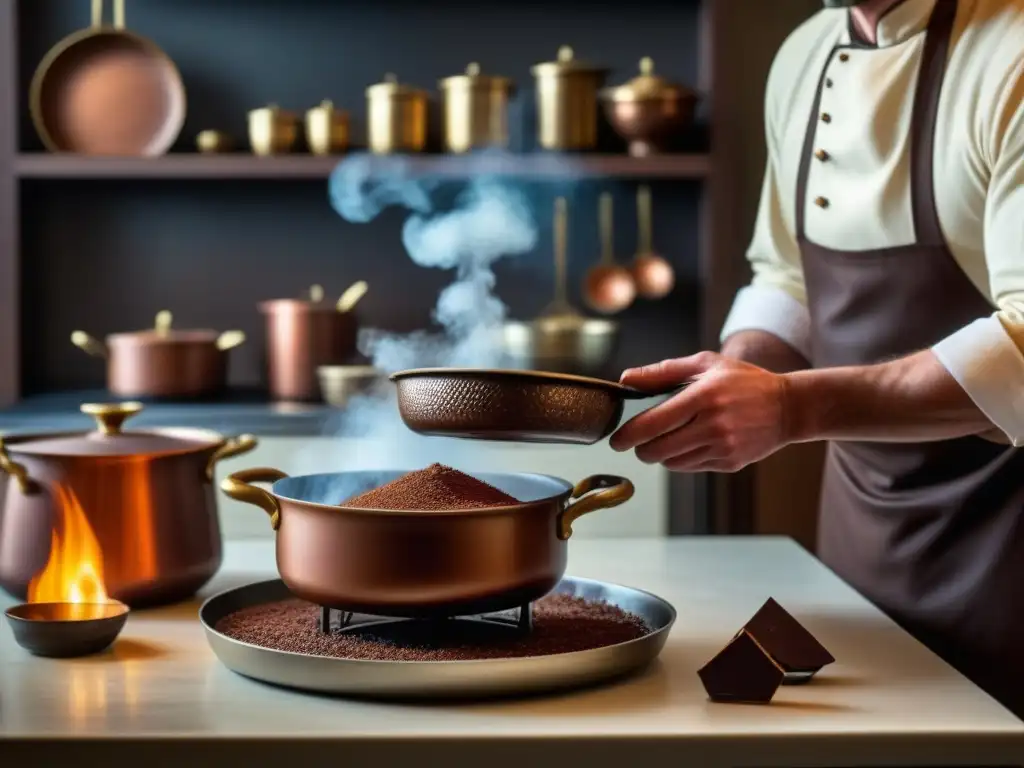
(742, 673)
(788, 642)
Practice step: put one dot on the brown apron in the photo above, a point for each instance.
(931, 532)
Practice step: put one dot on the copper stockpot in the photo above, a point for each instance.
(163, 362)
(417, 564)
(147, 496)
(304, 334)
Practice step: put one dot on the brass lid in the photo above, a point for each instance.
(273, 110)
(567, 63)
(392, 89)
(162, 331)
(109, 440)
(473, 79)
(646, 86)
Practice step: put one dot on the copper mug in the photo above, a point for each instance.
(304, 334)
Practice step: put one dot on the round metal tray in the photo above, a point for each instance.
(441, 679)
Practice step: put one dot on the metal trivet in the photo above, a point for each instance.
(518, 619)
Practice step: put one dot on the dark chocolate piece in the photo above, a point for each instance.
(788, 642)
(742, 673)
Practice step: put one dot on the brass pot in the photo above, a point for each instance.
(567, 102)
(162, 361)
(211, 142)
(134, 512)
(327, 129)
(272, 130)
(411, 563)
(476, 110)
(396, 117)
(648, 111)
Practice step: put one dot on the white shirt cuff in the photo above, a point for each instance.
(764, 308)
(986, 362)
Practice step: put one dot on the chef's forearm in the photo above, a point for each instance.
(765, 350)
(906, 400)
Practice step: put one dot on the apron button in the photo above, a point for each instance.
(822, 155)
(821, 202)
(844, 57)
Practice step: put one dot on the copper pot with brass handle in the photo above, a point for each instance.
(134, 511)
(164, 362)
(421, 564)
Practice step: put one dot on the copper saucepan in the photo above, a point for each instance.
(107, 91)
(421, 563)
(162, 362)
(521, 406)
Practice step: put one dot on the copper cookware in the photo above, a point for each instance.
(521, 406)
(107, 91)
(272, 130)
(567, 108)
(609, 286)
(412, 563)
(652, 273)
(304, 334)
(648, 111)
(476, 110)
(143, 498)
(163, 362)
(327, 129)
(396, 117)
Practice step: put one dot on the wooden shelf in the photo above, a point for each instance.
(243, 166)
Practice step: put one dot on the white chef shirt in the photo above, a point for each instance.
(979, 178)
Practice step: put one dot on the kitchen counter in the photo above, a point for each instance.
(161, 696)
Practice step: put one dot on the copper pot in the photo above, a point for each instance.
(134, 513)
(648, 111)
(410, 563)
(163, 362)
(304, 334)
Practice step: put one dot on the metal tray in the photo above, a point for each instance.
(441, 679)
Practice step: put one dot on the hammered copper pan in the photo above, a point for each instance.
(409, 563)
(522, 406)
(107, 91)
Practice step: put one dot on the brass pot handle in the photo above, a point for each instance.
(595, 492)
(15, 470)
(111, 416)
(238, 486)
(97, 14)
(233, 446)
(88, 344)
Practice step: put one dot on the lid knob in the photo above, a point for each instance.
(111, 416)
(646, 66)
(565, 53)
(392, 78)
(163, 322)
(473, 69)
(316, 293)
(327, 104)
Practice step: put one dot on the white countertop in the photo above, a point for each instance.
(886, 700)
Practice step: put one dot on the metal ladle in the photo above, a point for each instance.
(560, 312)
(652, 274)
(609, 287)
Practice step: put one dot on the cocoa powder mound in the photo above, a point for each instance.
(561, 624)
(435, 488)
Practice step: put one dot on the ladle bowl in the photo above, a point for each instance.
(66, 630)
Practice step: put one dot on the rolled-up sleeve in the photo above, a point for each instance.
(775, 301)
(986, 356)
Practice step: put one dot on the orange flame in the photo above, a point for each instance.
(74, 571)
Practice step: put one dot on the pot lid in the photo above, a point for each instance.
(391, 88)
(327, 106)
(646, 86)
(565, 64)
(162, 331)
(109, 439)
(274, 111)
(474, 79)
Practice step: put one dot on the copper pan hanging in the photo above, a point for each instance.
(106, 90)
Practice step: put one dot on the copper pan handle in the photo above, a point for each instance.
(97, 14)
(16, 471)
(233, 446)
(88, 344)
(238, 486)
(595, 492)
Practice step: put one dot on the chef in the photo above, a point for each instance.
(886, 316)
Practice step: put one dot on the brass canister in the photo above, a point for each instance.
(272, 130)
(567, 102)
(327, 129)
(476, 110)
(396, 117)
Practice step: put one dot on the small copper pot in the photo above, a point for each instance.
(136, 508)
(304, 334)
(412, 563)
(163, 362)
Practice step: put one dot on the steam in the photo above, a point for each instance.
(490, 220)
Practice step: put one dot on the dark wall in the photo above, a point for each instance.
(105, 256)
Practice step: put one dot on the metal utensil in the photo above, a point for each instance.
(520, 406)
(609, 286)
(396, 117)
(476, 110)
(66, 630)
(567, 102)
(327, 129)
(339, 383)
(272, 130)
(653, 275)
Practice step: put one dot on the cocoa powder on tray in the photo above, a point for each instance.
(435, 488)
(561, 624)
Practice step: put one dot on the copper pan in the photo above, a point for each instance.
(521, 406)
(421, 563)
(107, 91)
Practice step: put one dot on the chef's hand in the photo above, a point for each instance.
(731, 415)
